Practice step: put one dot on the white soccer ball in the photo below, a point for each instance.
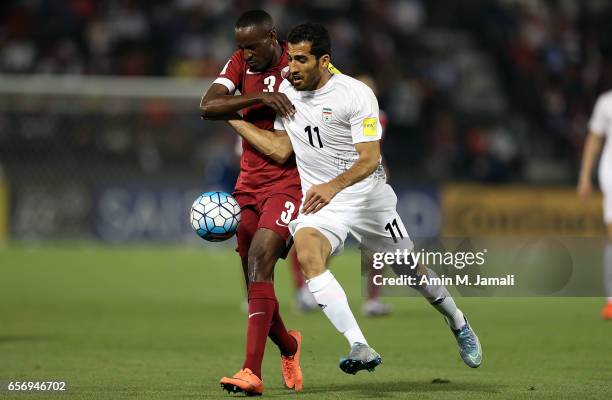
(215, 216)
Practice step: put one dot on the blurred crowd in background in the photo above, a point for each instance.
(474, 90)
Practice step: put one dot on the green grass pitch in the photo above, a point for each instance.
(166, 323)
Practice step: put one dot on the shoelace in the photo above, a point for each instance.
(288, 371)
(355, 353)
(361, 352)
(465, 335)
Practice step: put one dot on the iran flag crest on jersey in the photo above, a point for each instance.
(327, 114)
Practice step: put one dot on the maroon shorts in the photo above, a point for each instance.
(270, 210)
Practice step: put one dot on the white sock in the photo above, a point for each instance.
(331, 298)
(448, 308)
(439, 297)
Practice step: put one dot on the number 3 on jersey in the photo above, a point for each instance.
(286, 215)
(269, 81)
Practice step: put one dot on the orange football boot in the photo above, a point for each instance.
(243, 381)
(292, 373)
(606, 312)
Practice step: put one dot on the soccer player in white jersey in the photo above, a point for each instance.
(600, 130)
(335, 134)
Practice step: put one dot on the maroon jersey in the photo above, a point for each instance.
(258, 172)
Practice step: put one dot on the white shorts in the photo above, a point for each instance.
(367, 218)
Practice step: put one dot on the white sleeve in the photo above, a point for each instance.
(278, 123)
(364, 116)
(231, 88)
(599, 120)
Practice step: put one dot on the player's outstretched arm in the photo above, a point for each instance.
(320, 195)
(591, 151)
(217, 102)
(275, 145)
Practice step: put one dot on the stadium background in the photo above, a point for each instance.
(477, 91)
(102, 149)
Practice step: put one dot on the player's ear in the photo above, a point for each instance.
(273, 34)
(324, 61)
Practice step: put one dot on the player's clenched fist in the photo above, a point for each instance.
(318, 196)
(279, 102)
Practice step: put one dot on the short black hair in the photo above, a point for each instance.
(255, 18)
(316, 34)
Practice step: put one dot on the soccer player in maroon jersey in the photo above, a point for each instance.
(268, 193)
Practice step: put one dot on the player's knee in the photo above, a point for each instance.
(311, 261)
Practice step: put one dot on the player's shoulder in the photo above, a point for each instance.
(350, 84)
(605, 100)
(237, 55)
(347, 87)
(237, 61)
(360, 95)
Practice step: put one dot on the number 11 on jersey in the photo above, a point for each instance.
(309, 130)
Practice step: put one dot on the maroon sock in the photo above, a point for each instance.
(285, 342)
(262, 302)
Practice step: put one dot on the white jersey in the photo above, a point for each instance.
(325, 128)
(601, 124)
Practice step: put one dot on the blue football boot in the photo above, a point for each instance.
(469, 345)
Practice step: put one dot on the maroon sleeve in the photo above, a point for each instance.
(232, 73)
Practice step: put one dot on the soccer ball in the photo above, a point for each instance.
(215, 216)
